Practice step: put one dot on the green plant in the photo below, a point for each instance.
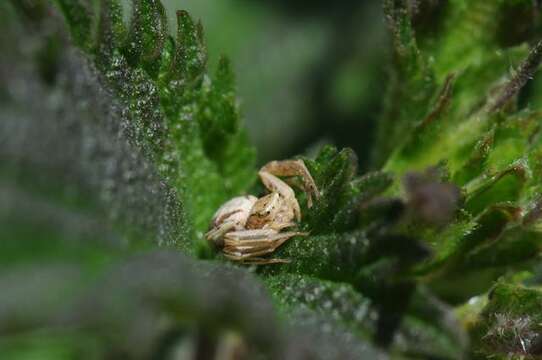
(152, 144)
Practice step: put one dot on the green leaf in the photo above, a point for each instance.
(333, 172)
(190, 56)
(79, 19)
(111, 31)
(147, 36)
(350, 309)
(509, 325)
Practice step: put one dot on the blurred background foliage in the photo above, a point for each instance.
(309, 73)
(115, 152)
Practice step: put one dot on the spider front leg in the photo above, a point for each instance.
(289, 168)
(216, 234)
(248, 246)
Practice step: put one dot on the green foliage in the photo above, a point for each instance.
(510, 323)
(135, 169)
(164, 83)
(79, 20)
(474, 130)
(152, 144)
(343, 193)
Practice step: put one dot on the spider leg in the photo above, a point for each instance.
(289, 168)
(283, 226)
(276, 185)
(251, 244)
(269, 241)
(256, 260)
(216, 235)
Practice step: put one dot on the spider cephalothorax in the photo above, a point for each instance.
(247, 227)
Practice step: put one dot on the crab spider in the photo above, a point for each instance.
(247, 228)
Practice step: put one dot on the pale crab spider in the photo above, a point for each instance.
(246, 228)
